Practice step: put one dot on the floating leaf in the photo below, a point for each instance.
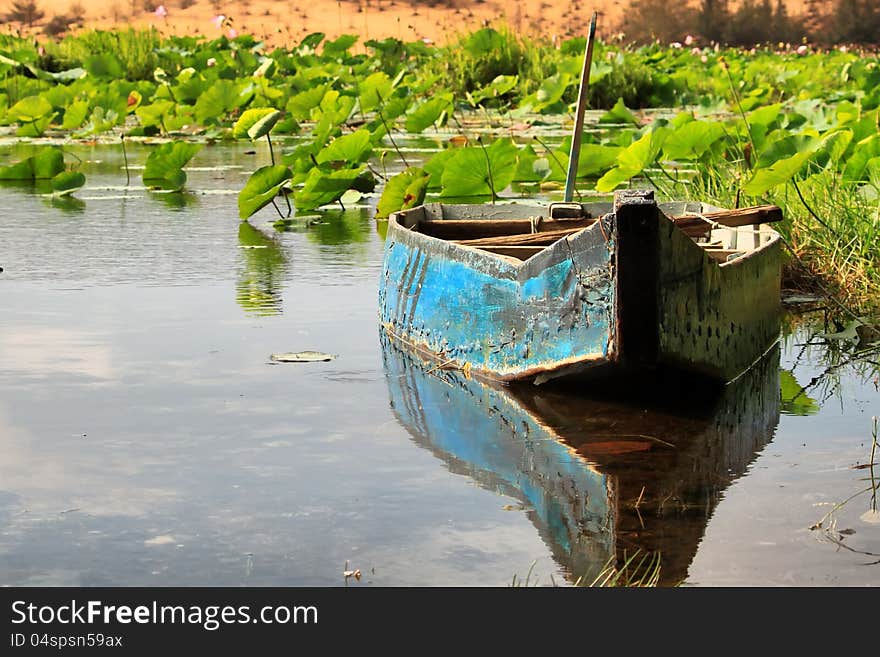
(255, 123)
(67, 182)
(302, 357)
(405, 190)
(264, 185)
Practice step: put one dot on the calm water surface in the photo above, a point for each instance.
(146, 438)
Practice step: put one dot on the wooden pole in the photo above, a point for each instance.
(575, 152)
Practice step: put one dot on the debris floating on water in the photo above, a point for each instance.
(302, 357)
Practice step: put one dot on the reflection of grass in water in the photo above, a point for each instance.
(258, 290)
(638, 570)
(841, 359)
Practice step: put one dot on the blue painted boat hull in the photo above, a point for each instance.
(628, 292)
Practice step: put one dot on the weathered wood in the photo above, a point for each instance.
(460, 229)
(697, 225)
(523, 239)
(721, 255)
(518, 252)
(469, 230)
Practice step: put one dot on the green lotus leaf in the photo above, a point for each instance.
(45, 165)
(864, 151)
(634, 159)
(67, 182)
(475, 171)
(255, 123)
(373, 91)
(322, 188)
(154, 113)
(29, 109)
(405, 190)
(691, 140)
(353, 148)
(164, 167)
(428, 113)
(220, 99)
(264, 185)
(300, 105)
(340, 45)
(499, 86)
(104, 65)
(619, 114)
(777, 173)
(75, 114)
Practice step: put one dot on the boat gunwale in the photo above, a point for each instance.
(517, 265)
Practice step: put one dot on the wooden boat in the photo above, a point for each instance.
(526, 292)
(593, 480)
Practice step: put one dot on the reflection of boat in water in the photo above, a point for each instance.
(598, 478)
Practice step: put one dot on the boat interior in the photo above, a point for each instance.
(515, 232)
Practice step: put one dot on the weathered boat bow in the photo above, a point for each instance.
(515, 292)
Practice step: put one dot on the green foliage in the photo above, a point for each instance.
(67, 182)
(405, 190)
(164, 168)
(45, 165)
(261, 188)
(255, 123)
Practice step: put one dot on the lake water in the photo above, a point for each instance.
(147, 438)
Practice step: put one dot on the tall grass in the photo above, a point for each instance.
(136, 50)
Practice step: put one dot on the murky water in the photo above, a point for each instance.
(146, 438)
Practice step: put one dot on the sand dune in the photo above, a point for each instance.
(287, 22)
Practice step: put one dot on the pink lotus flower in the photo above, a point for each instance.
(689, 40)
(218, 20)
(675, 44)
(695, 51)
(232, 33)
(211, 62)
(161, 12)
(802, 50)
(704, 59)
